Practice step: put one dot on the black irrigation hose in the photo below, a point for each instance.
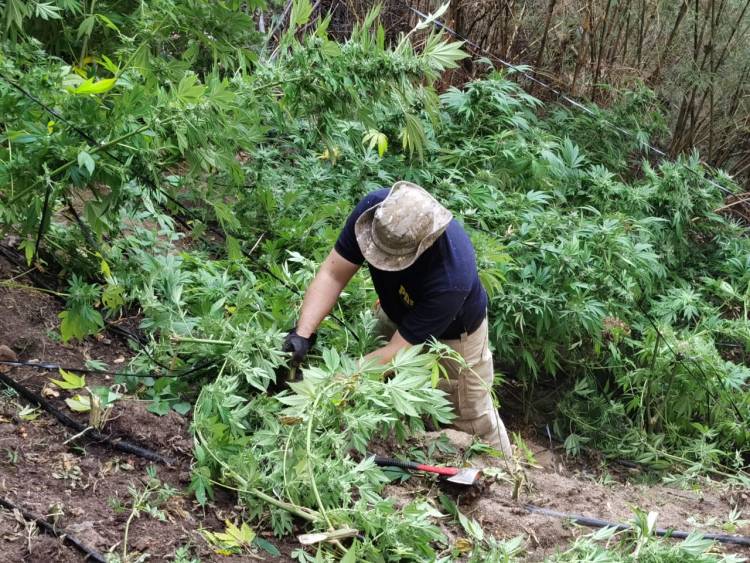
(140, 343)
(90, 553)
(92, 433)
(665, 532)
(12, 256)
(55, 367)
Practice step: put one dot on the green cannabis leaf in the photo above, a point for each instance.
(233, 540)
(70, 380)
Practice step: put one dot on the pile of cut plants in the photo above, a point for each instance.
(170, 171)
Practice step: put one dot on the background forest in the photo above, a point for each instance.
(692, 53)
(189, 164)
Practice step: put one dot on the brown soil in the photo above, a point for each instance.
(84, 485)
(567, 487)
(42, 474)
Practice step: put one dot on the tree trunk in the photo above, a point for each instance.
(602, 37)
(678, 20)
(547, 22)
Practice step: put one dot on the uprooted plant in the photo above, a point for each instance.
(303, 453)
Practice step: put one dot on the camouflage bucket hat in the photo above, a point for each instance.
(394, 233)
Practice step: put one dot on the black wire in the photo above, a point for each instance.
(52, 529)
(55, 367)
(599, 523)
(70, 124)
(48, 109)
(451, 31)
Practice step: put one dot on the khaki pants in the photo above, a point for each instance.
(467, 387)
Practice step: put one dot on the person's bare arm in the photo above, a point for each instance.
(320, 297)
(385, 354)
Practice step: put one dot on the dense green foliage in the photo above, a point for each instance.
(695, 55)
(220, 176)
(300, 445)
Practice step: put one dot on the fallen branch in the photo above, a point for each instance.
(76, 436)
(666, 532)
(737, 201)
(90, 553)
(94, 435)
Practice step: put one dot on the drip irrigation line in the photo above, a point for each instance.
(92, 433)
(55, 367)
(140, 343)
(149, 182)
(560, 94)
(12, 255)
(90, 553)
(664, 532)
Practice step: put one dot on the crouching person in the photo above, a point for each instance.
(424, 270)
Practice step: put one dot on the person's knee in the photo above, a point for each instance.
(484, 427)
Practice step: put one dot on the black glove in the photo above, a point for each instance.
(297, 345)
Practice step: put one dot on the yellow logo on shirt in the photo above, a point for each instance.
(405, 297)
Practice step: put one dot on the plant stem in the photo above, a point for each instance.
(283, 464)
(45, 211)
(10, 168)
(12, 285)
(308, 447)
(178, 338)
(281, 504)
(310, 516)
(302, 512)
(274, 84)
(84, 47)
(81, 433)
(64, 167)
(133, 511)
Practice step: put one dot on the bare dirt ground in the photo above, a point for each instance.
(82, 486)
(569, 487)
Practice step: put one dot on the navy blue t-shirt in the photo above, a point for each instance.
(439, 295)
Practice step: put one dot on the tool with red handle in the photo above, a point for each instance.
(461, 476)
